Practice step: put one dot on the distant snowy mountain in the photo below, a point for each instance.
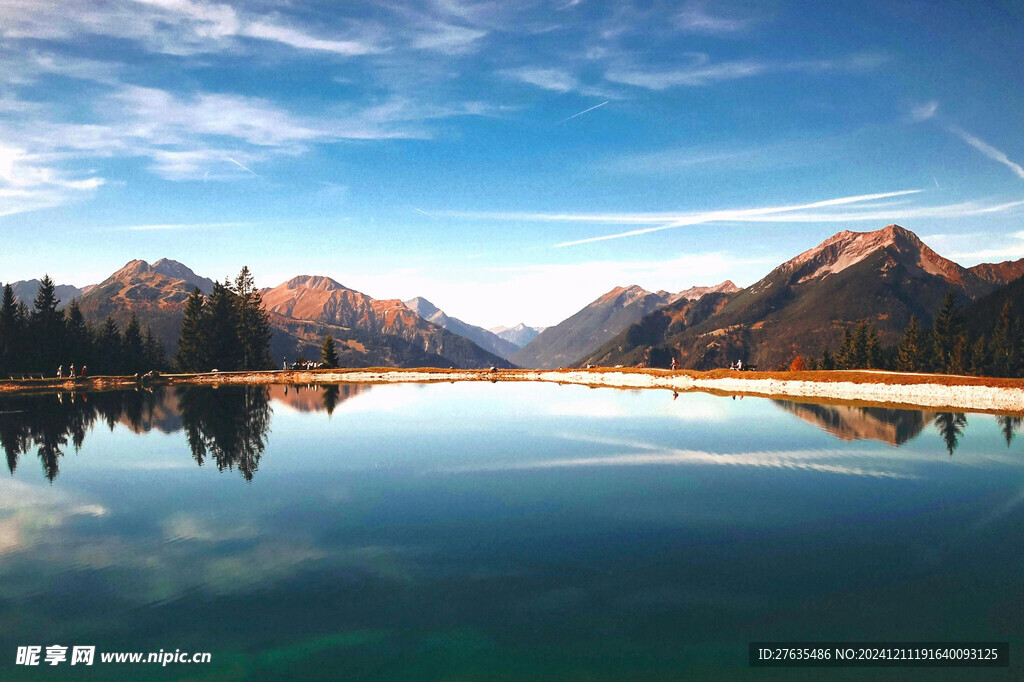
(519, 335)
(490, 342)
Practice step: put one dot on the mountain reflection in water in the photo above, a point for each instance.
(890, 425)
(230, 425)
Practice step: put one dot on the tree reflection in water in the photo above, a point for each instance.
(229, 424)
(331, 398)
(52, 422)
(951, 426)
(1009, 426)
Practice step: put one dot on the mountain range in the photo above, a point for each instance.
(489, 341)
(802, 306)
(519, 335)
(600, 321)
(799, 308)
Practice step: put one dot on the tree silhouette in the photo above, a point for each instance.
(11, 332)
(951, 426)
(46, 327)
(229, 425)
(328, 353)
(191, 355)
(253, 323)
(1009, 426)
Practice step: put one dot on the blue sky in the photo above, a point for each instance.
(509, 161)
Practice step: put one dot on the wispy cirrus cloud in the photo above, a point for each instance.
(701, 70)
(164, 227)
(29, 183)
(924, 111)
(868, 208)
(554, 79)
(180, 27)
(697, 18)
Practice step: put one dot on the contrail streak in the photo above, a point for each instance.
(988, 150)
(247, 170)
(738, 215)
(596, 106)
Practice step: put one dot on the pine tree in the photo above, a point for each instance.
(873, 349)
(10, 334)
(980, 363)
(47, 327)
(253, 323)
(845, 358)
(959, 357)
(827, 361)
(945, 329)
(132, 347)
(192, 351)
(1002, 346)
(908, 351)
(328, 353)
(78, 341)
(154, 356)
(108, 349)
(220, 326)
(859, 353)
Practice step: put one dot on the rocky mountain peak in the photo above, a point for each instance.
(422, 307)
(845, 249)
(318, 282)
(623, 296)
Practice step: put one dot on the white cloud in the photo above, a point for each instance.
(702, 71)
(304, 41)
(695, 18)
(557, 80)
(925, 111)
(27, 183)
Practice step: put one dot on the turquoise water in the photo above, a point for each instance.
(499, 531)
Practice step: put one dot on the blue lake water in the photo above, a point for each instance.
(499, 531)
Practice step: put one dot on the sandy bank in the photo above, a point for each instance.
(973, 394)
(930, 391)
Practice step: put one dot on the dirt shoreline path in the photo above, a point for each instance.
(887, 389)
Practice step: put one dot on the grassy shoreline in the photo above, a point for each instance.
(864, 388)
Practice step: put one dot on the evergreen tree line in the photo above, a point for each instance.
(41, 339)
(227, 330)
(948, 346)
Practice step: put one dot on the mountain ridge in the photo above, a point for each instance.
(487, 340)
(801, 306)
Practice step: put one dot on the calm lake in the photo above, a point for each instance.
(505, 531)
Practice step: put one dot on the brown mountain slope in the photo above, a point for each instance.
(157, 299)
(369, 331)
(801, 306)
(999, 273)
(599, 321)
